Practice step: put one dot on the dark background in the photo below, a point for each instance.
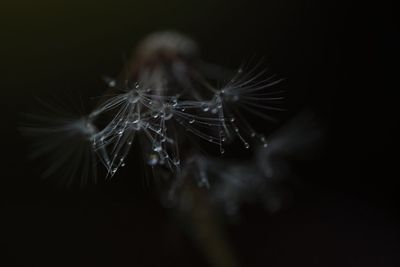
(340, 59)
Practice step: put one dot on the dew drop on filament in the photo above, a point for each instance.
(176, 161)
(152, 159)
(205, 107)
(157, 147)
(167, 112)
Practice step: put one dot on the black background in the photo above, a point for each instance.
(340, 59)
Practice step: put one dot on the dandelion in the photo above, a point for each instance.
(164, 95)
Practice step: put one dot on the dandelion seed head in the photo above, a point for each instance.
(164, 95)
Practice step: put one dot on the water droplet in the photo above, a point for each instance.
(221, 150)
(155, 114)
(134, 118)
(164, 154)
(167, 112)
(174, 102)
(205, 107)
(246, 145)
(135, 121)
(176, 161)
(157, 147)
(123, 164)
(152, 159)
(191, 121)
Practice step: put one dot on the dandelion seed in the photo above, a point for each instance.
(160, 100)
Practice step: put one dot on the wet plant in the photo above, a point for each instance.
(164, 104)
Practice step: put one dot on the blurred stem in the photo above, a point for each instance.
(207, 229)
